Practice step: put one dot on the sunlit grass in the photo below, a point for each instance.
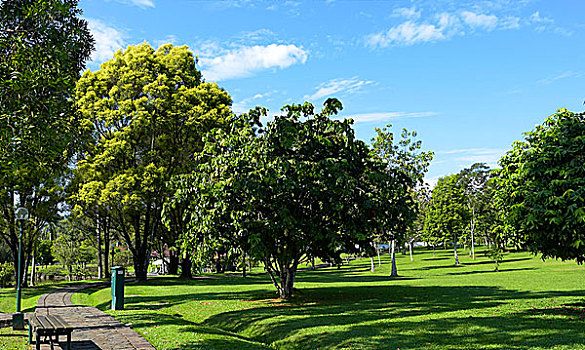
(529, 304)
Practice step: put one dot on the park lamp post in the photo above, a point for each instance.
(21, 215)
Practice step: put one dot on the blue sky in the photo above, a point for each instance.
(469, 76)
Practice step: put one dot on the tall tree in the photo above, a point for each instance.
(403, 155)
(474, 181)
(541, 187)
(149, 110)
(447, 214)
(301, 187)
(44, 45)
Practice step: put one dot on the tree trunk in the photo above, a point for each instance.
(26, 264)
(33, 269)
(410, 250)
(186, 266)
(455, 252)
(140, 266)
(394, 271)
(173, 266)
(379, 260)
(287, 280)
(372, 267)
(244, 265)
(100, 268)
(472, 234)
(106, 250)
(433, 250)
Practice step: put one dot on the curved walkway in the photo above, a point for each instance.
(94, 330)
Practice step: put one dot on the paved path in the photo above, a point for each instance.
(94, 330)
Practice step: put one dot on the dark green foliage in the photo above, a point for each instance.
(44, 45)
(447, 214)
(301, 187)
(541, 187)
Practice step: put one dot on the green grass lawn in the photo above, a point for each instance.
(529, 304)
(17, 340)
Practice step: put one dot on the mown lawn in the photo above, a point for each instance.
(529, 304)
(10, 339)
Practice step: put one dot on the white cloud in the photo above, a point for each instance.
(409, 13)
(140, 3)
(169, 39)
(535, 17)
(407, 33)
(443, 26)
(338, 86)
(243, 106)
(509, 22)
(255, 36)
(488, 22)
(469, 156)
(108, 40)
(375, 117)
(246, 60)
(564, 75)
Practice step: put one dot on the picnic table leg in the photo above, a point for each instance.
(29, 334)
(38, 341)
(68, 346)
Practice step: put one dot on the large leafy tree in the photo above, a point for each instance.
(541, 187)
(402, 155)
(44, 45)
(301, 187)
(149, 109)
(447, 214)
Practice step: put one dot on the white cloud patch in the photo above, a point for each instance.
(247, 60)
(256, 36)
(488, 22)
(442, 26)
(143, 4)
(407, 33)
(338, 86)
(377, 117)
(169, 39)
(108, 40)
(564, 75)
(409, 13)
(469, 156)
(535, 17)
(243, 106)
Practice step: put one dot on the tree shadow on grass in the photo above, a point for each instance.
(490, 271)
(379, 317)
(486, 262)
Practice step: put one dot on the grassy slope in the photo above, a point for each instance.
(433, 305)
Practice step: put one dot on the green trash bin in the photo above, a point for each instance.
(118, 287)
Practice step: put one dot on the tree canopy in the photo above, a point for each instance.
(301, 187)
(149, 110)
(44, 45)
(541, 187)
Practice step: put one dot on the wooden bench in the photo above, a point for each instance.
(47, 327)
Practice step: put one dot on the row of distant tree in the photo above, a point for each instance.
(145, 154)
(535, 200)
